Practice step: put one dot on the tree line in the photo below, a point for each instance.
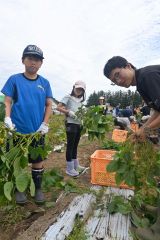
(124, 98)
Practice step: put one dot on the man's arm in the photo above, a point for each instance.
(153, 121)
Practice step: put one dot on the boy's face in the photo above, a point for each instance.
(32, 64)
(123, 77)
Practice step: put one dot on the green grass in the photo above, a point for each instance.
(78, 232)
(57, 134)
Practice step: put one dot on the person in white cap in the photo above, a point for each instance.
(103, 105)
(69, 106)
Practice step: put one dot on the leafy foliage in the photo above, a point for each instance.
(138, 165)
(110, 144)
(2, 111)
(119, 204)
(14, 150)
(78, 232)
(94, 123)
(57, 134)
(53, 179)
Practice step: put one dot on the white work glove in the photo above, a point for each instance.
(43, 128)
(72, 114)
(8, 123)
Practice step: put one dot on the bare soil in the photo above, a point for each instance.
(36, 219)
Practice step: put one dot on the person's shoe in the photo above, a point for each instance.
(78, 167)
(72, 173)
(39, 196)
(70, 169)
(20, 197)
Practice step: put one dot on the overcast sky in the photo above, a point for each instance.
(78, 37)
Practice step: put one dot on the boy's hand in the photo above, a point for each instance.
(8, 123)
(43, 128)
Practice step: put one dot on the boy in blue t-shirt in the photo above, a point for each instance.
(28, 104)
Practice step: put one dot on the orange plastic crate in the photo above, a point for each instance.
(134, 127)
(119, 135)
(99, 175)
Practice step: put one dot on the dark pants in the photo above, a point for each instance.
(34, 144)
(73, 132)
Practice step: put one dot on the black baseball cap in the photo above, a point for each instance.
(33, 50)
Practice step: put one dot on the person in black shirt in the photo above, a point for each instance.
(147, 81)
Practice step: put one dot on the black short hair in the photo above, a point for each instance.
(115, 62)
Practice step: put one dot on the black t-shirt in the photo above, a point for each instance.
(145, 110)
(148, 85)
(125, 113)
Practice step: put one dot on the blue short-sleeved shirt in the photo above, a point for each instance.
(29, 101)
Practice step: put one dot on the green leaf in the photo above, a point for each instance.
(8, 187)
(23, 162)
(22, 181)
(123, 169)
(34, 153)
(112, 207)
(130, 178)
(119, 178)
(32, 188)
(3, 158)
(2, 200)
(124, 209)
(17, 167)
(13, 153)
(120, 204)
(112, 166)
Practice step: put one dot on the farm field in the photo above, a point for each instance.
(136, 165)
(30, 221)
